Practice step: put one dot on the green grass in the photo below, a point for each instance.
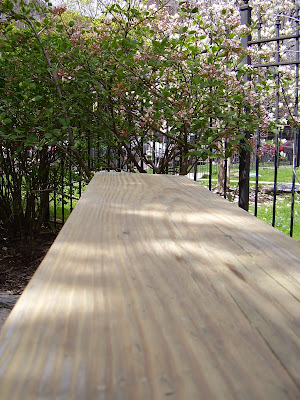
(265, 210)
(67, 202)
(266, 174)
(284, 174)
(283, 214)
(59, 209)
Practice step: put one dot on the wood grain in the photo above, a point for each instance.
(154, 289)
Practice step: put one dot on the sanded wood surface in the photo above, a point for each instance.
(157, 289)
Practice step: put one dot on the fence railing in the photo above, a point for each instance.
(293, 149)
(273, 152)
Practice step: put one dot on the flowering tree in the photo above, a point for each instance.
(131, 76)
(166, 77)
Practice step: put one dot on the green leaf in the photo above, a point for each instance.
(55, 131)
(71, 23)
(209, 83)
(31, 138)
(164, 41)
(37, 98)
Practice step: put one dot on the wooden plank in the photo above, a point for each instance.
(156, 288)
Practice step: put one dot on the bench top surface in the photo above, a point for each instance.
(156, 288)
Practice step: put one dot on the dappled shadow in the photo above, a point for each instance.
(155, 277)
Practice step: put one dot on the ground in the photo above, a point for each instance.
(19, 259)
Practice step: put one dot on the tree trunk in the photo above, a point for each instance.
(221, 176)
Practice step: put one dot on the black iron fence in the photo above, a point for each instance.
(272, 153)
(285, 143)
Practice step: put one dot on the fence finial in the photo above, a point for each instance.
(245, 8)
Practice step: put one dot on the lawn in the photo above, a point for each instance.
(59, 210)
(265, 209)
(63, 206)
(284, 174)
(266, 174)
(283, 214)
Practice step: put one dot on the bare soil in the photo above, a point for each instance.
(20, 257)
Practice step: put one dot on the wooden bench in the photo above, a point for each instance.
(157, 288)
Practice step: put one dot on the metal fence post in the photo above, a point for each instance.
(225, 168)
(153, 155)
(276, 160)
(296, 131)
(257, 159)
(244, 167)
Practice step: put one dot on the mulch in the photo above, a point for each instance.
(20, 257)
